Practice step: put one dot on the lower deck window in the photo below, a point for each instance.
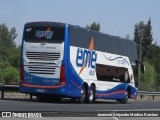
(112, 73)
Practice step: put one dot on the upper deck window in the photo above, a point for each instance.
(44, 34)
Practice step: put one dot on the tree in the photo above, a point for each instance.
(7, 44)
(138, 35)
(9, 56)
(143, 34)
(147, 38)
(150, 55)
(94, 26)
(148, 34)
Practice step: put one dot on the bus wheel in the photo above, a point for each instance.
(125, 100)
(91, 97)
(83, 95)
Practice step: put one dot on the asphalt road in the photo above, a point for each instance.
(67, 105)
(69, 109)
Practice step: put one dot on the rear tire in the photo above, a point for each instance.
(91, 96)
(82, 98)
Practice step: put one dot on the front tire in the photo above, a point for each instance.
(125, 100)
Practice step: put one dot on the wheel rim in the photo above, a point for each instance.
(91, 95)
(126, 99)
(126, 93)
(82, 94)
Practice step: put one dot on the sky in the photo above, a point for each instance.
(116, 17)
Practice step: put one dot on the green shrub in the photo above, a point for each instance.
(3, 65)
(149, 78)
(10, 75)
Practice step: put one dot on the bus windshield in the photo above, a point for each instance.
(44, 34)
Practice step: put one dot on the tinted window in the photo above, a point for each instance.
(44, 34)
(112, 73)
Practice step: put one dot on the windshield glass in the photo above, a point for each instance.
(44, 34)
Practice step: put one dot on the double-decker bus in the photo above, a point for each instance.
(65, 61)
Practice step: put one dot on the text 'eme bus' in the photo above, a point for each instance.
(65, 61)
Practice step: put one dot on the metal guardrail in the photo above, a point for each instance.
(13, 88)
(147, 93)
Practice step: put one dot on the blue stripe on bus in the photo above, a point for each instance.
(116, 92)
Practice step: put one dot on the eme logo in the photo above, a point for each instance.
(86, 58)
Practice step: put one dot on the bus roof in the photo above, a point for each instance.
(81, 37)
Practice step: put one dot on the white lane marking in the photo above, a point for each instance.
(115, 118)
